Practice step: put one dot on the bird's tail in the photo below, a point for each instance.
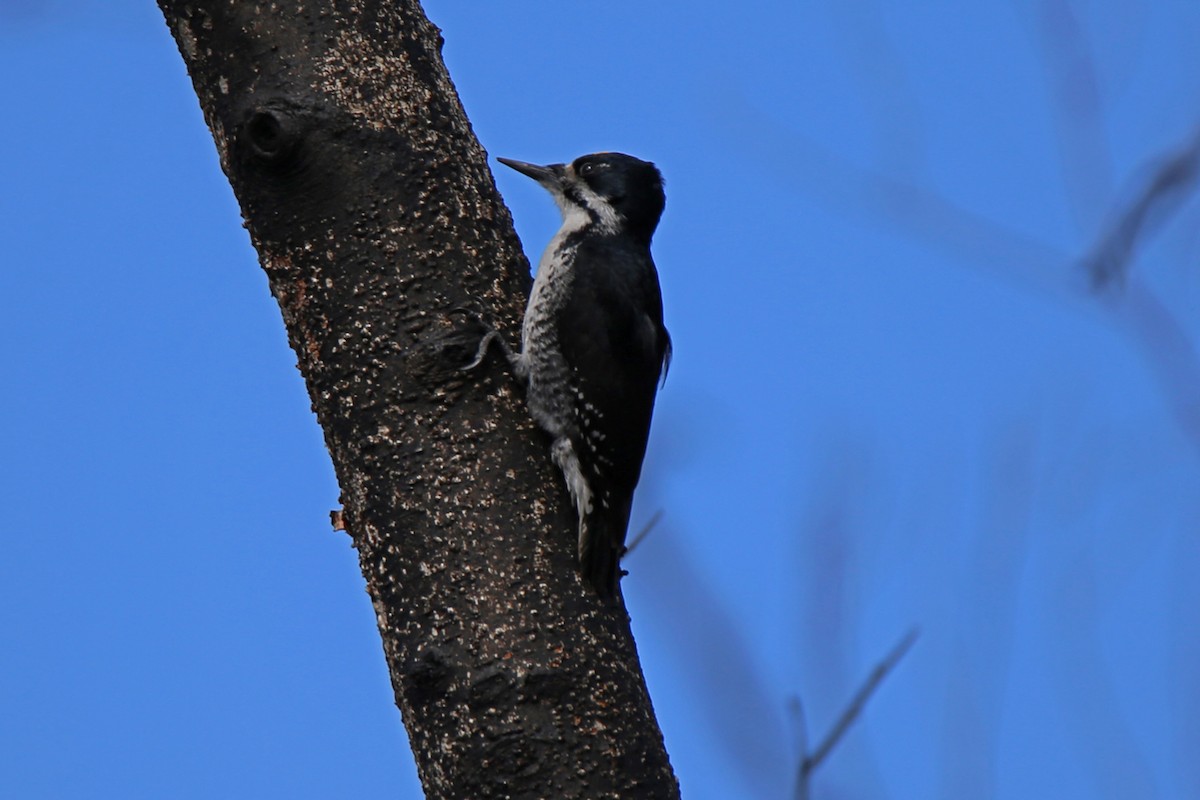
(601, 545)
(603, 521)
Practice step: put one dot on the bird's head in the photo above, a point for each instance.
(612, 191)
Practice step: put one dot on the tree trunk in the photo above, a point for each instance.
(376, 219)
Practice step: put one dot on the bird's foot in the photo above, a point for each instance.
(481, 352)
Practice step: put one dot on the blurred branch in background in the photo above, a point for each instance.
(1168, 349)
(1086, 161)
(969, 236)
(976, 687)
(1160, 190)
(1083, 683)
(1169, 181)
(720, 665)
(1094, 274)
(1083, 686)
(1181, 684)
(878, 66)
(841, 185)
(1075, 86)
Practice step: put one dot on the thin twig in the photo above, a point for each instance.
(644, 532)
(810, 762)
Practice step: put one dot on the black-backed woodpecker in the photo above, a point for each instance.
(593, 343)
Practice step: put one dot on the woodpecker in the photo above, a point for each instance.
(593, 342)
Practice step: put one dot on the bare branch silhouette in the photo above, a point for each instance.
(811, 761)
(646, 530)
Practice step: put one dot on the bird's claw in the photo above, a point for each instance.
(481, 353)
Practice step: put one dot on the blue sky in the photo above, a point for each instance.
(890, 406)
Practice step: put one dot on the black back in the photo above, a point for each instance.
(614, 323)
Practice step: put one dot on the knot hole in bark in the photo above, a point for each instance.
(270, 136)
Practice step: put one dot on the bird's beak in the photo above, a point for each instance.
(547, 176)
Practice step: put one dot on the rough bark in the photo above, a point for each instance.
(376, 219)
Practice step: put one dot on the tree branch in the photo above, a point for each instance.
(375, 217)
(810, 761)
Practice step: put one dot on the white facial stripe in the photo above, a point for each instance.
(606, 215)
(575, 216)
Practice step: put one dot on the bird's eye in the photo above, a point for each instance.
(587, 169)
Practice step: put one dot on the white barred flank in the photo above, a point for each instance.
(563, 453)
